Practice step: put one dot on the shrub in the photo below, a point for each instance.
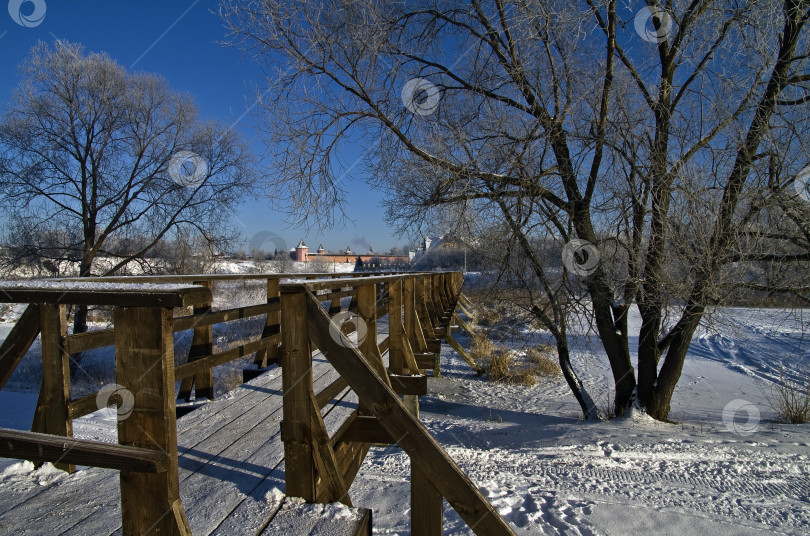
(790, 398)
(541, 361)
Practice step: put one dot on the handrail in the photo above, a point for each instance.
(418, 306)
(22, 445)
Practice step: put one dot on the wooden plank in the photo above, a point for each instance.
(103, 293)
(353, 455)
(330, 392)
(272, 326)
(426, 360)
(366, 429)
(204, 363)
(51, 415)
(462, 352)
(296, 359)
(18, 341)
(144, 361)
(357, 281)
(224, 315)
(384, 344)
(426, 505)
(83, 406)
(81, 342)
(407, 353)
(90, 340)
(409, 385)
(463, 325)
(415, 440)
(332, 488)
(202, 345)
(421, 343)
(48, 448)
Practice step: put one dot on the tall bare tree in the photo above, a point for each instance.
(652, 141)
(97, 156)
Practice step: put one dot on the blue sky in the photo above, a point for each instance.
(180, 41)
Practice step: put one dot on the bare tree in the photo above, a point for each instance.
(105, 156)
(654, 139)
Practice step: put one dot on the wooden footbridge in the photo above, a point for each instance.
(343, 384)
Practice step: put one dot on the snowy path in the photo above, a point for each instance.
(550, 473)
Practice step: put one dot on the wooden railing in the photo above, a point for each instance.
(144, 350)
(299, 313)
(321, 468)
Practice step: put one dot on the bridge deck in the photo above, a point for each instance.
(230, 459)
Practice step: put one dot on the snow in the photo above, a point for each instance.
(40, 284)
(548, 472)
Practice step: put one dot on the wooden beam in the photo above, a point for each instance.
(425, 360)
(144, 359)
(62, 450)
(409, 385)
(462, 324)
(225, 315)
(367, 429)
(103, 293)
(366, 310)
(202, 345)
(426, 505)
(51, 414)
(332, 488)
(463, 353)
(414, 438)
(272, 326)
(330, 391)
(18, 341)
(421, 344)
(204, 363)
(396, 352)
(296, 375)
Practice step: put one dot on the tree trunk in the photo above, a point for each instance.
(80, 319)
(589, 410)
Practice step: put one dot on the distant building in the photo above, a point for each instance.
(301, 253)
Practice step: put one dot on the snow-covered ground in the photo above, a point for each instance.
(725, 468)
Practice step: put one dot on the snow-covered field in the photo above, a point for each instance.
(714, 472)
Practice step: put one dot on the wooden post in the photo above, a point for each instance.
(422, 308)
(51, 415)
(202, 345)
(367, 311)
(396, 358)
(296, 379)
(411, 435)
(410, 312)
(144, 361)
(264, 357)
(426, 504)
